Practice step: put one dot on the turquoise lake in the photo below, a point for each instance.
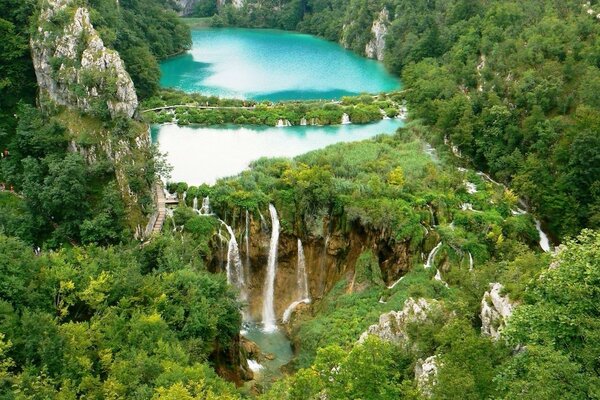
(272, 65)
(263, 64)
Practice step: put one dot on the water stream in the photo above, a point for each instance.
(268, 311)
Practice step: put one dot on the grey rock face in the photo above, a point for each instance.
(376, 47)
(392, 325)
(425, 375)
(72, 65)
(495, 310)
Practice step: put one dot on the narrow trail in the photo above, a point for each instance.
(161, 202)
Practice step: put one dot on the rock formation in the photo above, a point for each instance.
(392, 325)
(426, 374)
(72, 65)
(376, 47)
(495, 309)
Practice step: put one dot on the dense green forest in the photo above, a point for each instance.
(88, 309)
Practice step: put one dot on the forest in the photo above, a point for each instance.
(505, 91)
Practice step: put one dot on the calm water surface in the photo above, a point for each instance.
(205, 154)
(272, 65)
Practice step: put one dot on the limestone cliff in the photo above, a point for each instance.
(376, 46)
(426, 375)
(392, 326)
(495, 309)
(72, 65)
(331, 254)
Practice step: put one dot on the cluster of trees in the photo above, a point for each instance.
(513, 85)
(63, 197)
(118, 322)
(361, 109)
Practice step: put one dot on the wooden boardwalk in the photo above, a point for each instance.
(161, 202)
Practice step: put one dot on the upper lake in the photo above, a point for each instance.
(272, 65)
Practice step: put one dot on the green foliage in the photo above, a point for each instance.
(98, 322)
(172, 105)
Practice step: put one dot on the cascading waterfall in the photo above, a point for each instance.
(544, 241)
(247, 240)
(302, 285)
(263, 222)
(393, 285)
(195, 204)
(432, 254)
(205, 209)
(346, 119)
(301, 277)
(268, 312)
(234, 267)
(471, 262)
(438, 277)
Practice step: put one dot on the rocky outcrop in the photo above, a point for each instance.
(376, 46)
(425, 375)
(392, 326)
(495, 310)
(72, 65)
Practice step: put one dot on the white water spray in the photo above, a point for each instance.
(268, 311)
(395, 283)
(431, 258)
(544, 241)
(470, 262)
(301, 277)
(234, 268)
(301, 283)
(346, 119)
(288, 311)
(205, 209)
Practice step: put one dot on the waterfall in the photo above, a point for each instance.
(395, 283)
(234, 268)
(247, 240)
(301, 283)
(303, 122)
(301, 277)
(346, 119)
(438, 277)
(205, 209)
(268, 312)
(263, 222)
(471, 262)
(432, 254)
(254, 365)
(471, 187)
(288, 311)
(195, 204)
(282, 123)
(544, 242)
(432, 215)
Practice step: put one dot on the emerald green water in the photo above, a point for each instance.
(272, 65)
